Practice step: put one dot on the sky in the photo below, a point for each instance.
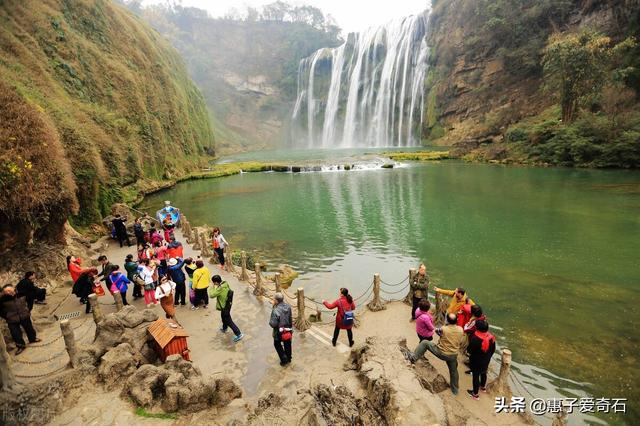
(351, 15)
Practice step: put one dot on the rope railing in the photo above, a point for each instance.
(394, 285)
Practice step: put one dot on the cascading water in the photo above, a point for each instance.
(367, 92)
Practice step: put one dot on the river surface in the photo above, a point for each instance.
(552, 255)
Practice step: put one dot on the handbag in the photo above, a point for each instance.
(98, 290)
(286, 334)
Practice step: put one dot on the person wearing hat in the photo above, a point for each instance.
(281, 322)
(164, 293)
(177, 275)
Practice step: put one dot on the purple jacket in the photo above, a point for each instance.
(424, 323)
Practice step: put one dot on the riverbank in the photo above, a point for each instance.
(318, 370)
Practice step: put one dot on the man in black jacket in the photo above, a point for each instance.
(120, 228)
(27, 287)
(14, 310)
(281, 323)
(482, 345)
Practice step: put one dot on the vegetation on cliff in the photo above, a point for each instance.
(539, 81)
(94, 96)
(246, 64)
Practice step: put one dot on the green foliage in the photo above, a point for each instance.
(117, 95)
(578, 65)
(140, 411)
(593, 140)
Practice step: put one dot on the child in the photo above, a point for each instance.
(119, 284)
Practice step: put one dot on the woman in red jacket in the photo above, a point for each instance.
(74, 265)
(345, 316)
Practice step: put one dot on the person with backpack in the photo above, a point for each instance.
(119, 284)
(132, 270)
(281, 321)
(224, 299)
(345, 316)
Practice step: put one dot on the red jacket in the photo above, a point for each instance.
(76, 270)
(343, 305)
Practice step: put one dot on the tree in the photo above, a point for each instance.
(577, 66)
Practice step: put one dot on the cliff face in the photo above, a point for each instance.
(485, 60)
(106, 102)
(247, 70)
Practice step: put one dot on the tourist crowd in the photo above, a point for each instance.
(160, 274)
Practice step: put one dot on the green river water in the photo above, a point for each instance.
(552, 255)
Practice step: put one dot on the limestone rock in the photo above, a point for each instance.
(119, 362)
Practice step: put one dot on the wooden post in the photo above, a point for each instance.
(301, 322)
(196, 239)
(244, 275)
(7, 379)
(69, 342)
(118, 299)
(276, 279)
(204, 244)
(95, 308)
(409, 297)
(186, 230)
(376, 304)
(500, 386)
(259, 290)
(441, 310)
(228, 262)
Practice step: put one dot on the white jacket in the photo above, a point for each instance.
(165, 289)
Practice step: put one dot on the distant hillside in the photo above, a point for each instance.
(246, 68)
(91, 97)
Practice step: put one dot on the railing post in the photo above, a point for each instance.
(118, 299)
(301, 322)
(69, 342)
(409, 297)
(259, 290)
(276, 279)
(441, 309)
(244, 275)
(500, 385)
(6, 368)
(376, 304)
(95, 308)
(204, 244)
(228, 262)
(196, 238)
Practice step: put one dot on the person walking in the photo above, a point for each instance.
(120, 229)
(345, 316)
(14, 310)
(131, 267)
(119, 284)
(419, 288)
(164, 293)
(27, 287)
(223, 294)
(107, 269)
(190, 267)
(147, 272)
(219, 243)
(201, 278)
(451, 336)
(482, 346)
(177, 276)
(138, 231)
(424, 321)
(281, 323)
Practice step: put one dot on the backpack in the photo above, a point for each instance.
(348, 318)
(229, 299)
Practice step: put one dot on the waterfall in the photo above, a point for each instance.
(367, 92)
